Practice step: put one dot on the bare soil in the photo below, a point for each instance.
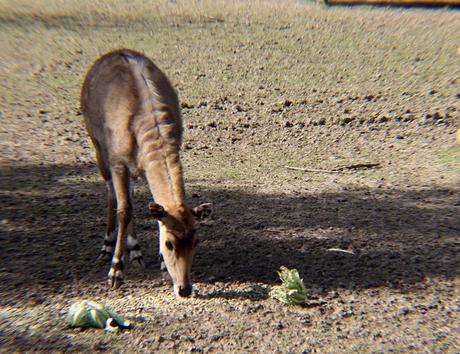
(263, 86)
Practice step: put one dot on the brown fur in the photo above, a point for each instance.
(132, 116)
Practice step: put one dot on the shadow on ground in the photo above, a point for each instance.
(55, 342)
(53, 218)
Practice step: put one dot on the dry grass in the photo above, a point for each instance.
(94, 12)
(265, 84)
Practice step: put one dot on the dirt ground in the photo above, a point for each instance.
(264, 85)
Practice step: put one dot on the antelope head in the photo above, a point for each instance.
(178, 241)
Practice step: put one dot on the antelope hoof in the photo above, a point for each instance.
(107, 248)
(137, 262)
(105, 256)
(115, 277)
(135, 253)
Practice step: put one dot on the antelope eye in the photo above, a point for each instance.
(169, 245)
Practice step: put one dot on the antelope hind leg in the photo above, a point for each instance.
(110, 237)
(133, 247)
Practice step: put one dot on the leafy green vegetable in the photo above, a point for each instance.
(92, 314)
(292, 290)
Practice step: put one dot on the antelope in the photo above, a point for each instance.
(132, 116)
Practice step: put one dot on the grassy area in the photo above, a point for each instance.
(263, 84)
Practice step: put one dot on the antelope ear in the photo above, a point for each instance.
(202, 211)
(157, 211)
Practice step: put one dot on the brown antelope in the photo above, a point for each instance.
(132, 116)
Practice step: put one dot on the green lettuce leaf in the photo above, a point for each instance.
(292, 290)
(92, 314)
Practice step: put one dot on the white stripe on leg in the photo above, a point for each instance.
(135, 253)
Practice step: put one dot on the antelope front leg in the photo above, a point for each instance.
(120, 178)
